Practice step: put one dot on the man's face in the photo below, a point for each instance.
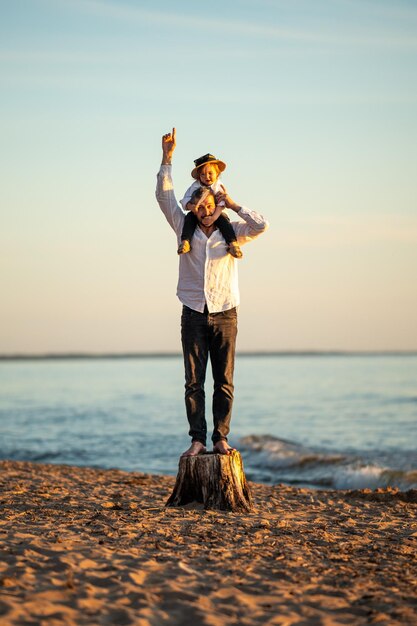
(207, 174)
(206, 208)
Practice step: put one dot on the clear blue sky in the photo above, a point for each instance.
(313, 105)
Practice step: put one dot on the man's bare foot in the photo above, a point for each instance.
(196, 448)
(222, 447)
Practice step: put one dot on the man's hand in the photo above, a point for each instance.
(223, 196)
(168, 147)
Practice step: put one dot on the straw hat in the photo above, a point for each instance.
(207, 158)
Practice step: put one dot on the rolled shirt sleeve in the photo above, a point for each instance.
(252, 226)
(166, 198)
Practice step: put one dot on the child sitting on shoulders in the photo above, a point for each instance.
(206, 172)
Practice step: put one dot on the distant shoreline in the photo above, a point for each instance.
(66, 356)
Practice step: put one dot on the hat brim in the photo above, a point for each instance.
(220, 164)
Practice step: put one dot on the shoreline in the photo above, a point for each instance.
(91, 546)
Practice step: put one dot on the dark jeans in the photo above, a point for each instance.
(222, 223)
(203, 335)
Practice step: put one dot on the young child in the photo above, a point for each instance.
(206, 172)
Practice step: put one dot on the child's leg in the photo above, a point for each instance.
(190, 224)
(226, 229)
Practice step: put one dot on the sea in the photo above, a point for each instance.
(338, 421)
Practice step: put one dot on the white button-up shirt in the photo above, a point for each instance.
(208, 274)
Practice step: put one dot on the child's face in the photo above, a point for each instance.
(207, 174)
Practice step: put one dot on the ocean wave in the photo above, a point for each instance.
(271, 459)
(372, 477)
(281, 452)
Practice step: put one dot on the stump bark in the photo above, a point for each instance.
(215, 480)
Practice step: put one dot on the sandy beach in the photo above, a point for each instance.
(89, 546)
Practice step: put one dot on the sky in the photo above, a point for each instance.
(312, 105)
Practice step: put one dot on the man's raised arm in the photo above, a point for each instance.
(164, 186)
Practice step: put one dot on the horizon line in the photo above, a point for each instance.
(160, 354)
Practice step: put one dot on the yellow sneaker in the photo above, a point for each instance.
(234, 250)
(184, 247)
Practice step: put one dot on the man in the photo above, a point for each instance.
(208, 290)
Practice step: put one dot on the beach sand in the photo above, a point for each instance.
(89, 546)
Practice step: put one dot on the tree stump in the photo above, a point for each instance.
(215, 480)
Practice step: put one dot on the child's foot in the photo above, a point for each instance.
(184, 247)
(234, 250)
